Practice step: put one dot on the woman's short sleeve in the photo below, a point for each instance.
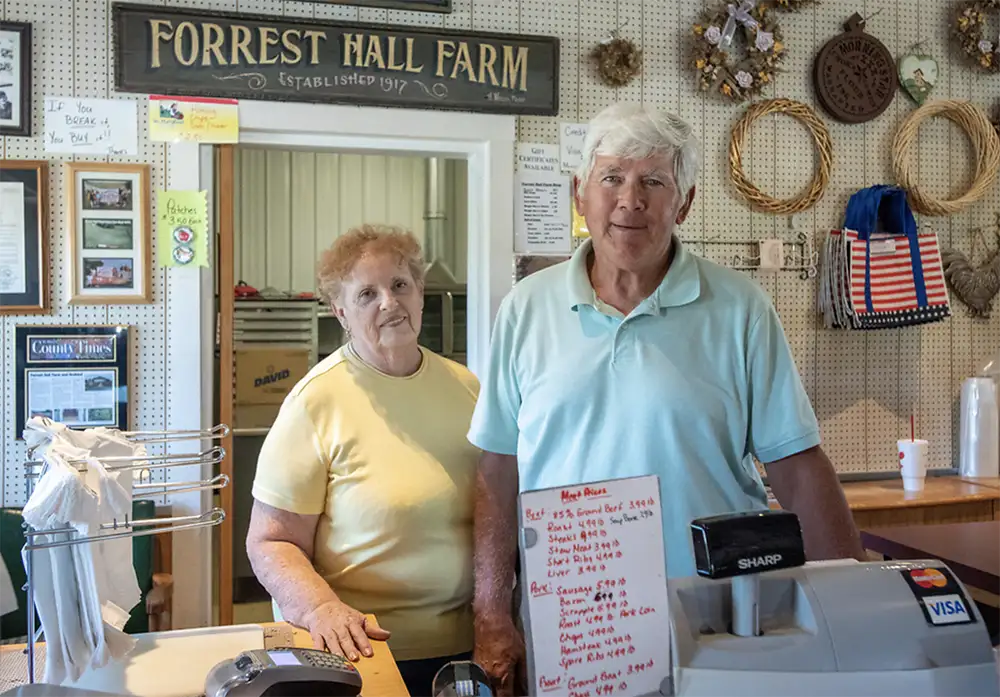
(292, 469)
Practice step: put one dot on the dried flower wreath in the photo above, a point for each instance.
(717, 56)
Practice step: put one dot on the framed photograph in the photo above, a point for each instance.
(76, 375)
(24, 240)
(99, 233)
(15, 79)
(107, 194)
(109, 233)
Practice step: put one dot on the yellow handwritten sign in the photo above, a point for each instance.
(579, 224)
(182, 225)
(195, 119)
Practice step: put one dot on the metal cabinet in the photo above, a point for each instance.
(443, 329)
(277, 323)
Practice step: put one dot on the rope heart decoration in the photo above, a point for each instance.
(976, 286)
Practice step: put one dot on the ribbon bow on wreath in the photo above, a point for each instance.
(739, 15)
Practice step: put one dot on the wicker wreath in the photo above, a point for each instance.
(970, 18)
(985, 144)
(758, 200)
(715, 51)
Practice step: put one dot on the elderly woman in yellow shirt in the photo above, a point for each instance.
(363, 494)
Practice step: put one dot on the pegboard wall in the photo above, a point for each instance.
(863, 385)
(70, 56)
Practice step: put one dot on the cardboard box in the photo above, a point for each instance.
(255, 415)
(267, 375)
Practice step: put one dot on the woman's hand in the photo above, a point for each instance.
(343, 630)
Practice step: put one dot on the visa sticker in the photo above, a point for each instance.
(939, 596)
(947, 609)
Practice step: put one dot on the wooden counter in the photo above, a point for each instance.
(875, 495)
(946, 499)
(379, 673)
(943, 500)
(992, 482)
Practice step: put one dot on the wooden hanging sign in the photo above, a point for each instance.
(410, 5)
(178, 52)
(855, 75)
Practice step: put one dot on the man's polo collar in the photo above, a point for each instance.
(680, 286)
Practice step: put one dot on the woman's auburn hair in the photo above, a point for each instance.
(338, 261)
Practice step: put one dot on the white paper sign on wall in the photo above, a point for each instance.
(571, 137)
(540, 158)
(91, 126)
(543, 220)
(594, 574)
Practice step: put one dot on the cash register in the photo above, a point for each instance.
(758, 620)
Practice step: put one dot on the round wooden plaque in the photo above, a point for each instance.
(855, 75)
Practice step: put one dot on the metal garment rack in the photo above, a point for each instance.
(33, 469)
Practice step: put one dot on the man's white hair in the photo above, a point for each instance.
(637, 132)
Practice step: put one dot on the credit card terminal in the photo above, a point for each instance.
(284, 672)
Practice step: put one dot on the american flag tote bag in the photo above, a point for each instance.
(896, 275)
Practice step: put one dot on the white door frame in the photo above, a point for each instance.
(485, 141)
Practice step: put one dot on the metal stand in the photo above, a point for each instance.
(746, 605)
(33, 469)
(804, 261)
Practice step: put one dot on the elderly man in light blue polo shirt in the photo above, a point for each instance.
(637, 357)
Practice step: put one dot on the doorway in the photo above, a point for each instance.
(448, 177)
(288, 208)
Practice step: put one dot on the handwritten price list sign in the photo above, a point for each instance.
(595, 575)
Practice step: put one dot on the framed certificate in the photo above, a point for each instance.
(24, 246)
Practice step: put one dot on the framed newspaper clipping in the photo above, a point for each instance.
(76, 375)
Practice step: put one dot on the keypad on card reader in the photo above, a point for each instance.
(321, 659)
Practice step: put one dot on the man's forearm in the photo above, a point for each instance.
(495, 534)
(290, 578)
(806, 484)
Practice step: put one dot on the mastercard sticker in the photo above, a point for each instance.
(939, 595)
(928, 578)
